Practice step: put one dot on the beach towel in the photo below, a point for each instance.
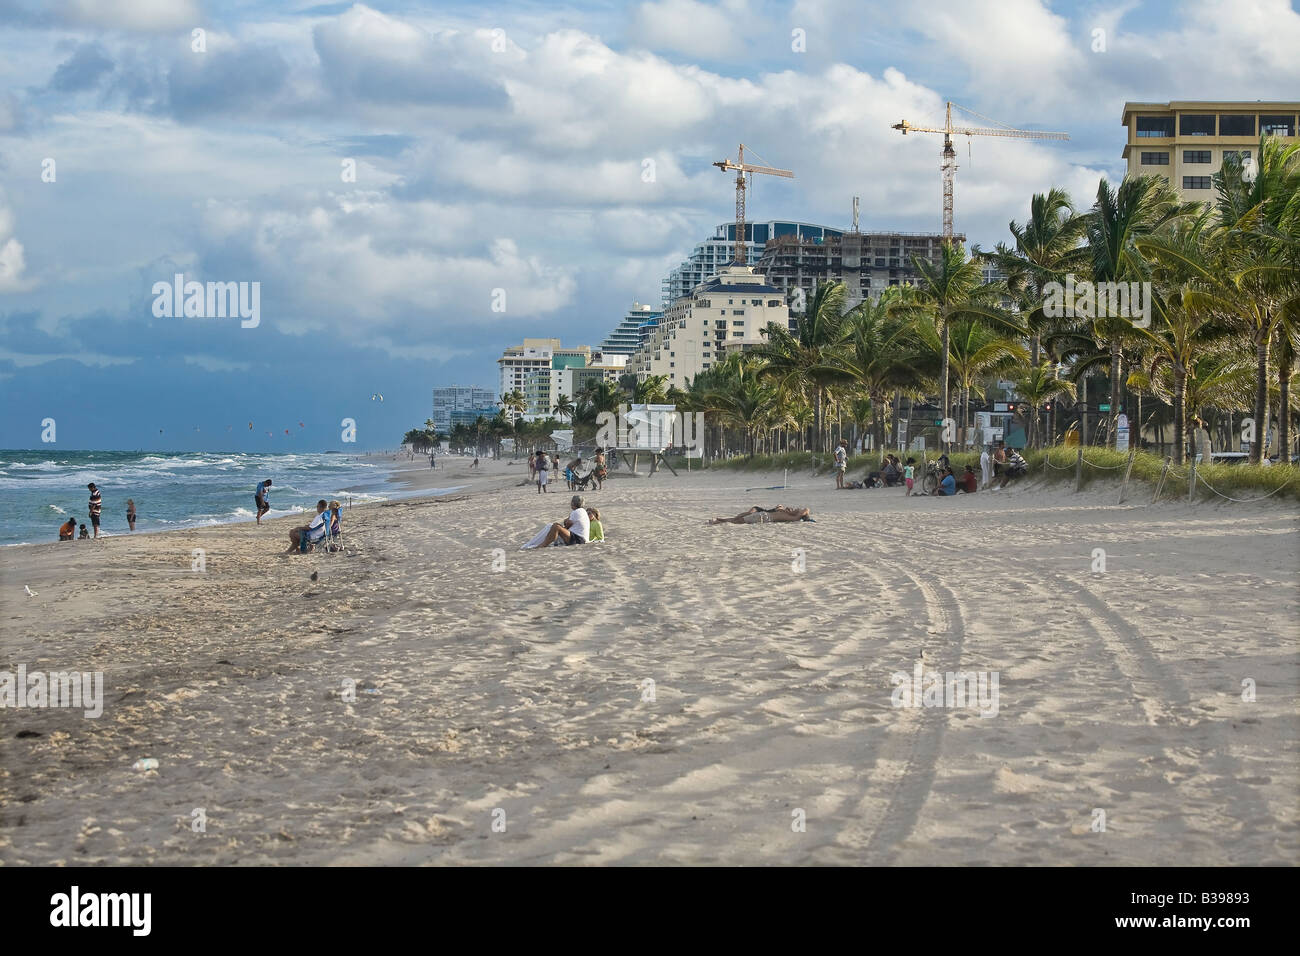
(537, 539)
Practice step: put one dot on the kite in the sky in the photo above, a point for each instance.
(286, 431)
(250, 426)
(301, 425)
(377, 395)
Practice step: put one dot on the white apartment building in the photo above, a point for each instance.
(727, 312)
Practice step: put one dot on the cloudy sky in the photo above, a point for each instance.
(496, 146)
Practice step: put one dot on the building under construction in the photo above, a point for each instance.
(866, 262)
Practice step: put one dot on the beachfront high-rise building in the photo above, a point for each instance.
(518, 362)
(627, 336)
(543, 371)
(718, 250)
(457, 403)
(866, 262)
(1186, 141)
(727, 312)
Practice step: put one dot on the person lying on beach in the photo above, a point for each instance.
(68, 530)
(573, 530)
(302, 539)
(757, 515)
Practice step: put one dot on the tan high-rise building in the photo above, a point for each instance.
(1185, 141)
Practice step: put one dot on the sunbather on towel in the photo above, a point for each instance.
(757, 515)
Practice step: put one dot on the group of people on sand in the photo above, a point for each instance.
(582, 526)
(324, 529)
(544, 468)
(68, 530)
(997, 464)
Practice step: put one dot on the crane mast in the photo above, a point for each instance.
(741, 167)
(948, 156)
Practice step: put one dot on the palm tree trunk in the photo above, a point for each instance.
(1114, 386)
(1083, 413)
(1180, 402)
(943, 374)
(1261, 399)
(1284, 411)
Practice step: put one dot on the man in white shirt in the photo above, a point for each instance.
(575, 528)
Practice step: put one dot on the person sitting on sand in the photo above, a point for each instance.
(85, 535)
(757, 515)
(573, 530)
(68, 530)
(302, 539)
(596, 529)
(892, 474)
(948, 484)
(968, 482)
(1015, 467)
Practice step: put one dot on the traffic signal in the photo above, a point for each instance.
(1011, 407)
(1047, 406)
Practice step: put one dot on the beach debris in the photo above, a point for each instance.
(145, 763)
(30, 592)
(24, 734)
(315, 575)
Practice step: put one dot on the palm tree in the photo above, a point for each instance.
(564, 407)
(1187, 314)
(1037, 386)
(1047, 248)
(949, 290)
(652, 390)
(881, 353)
(1118, 220)
(1257, 243)
(514, 404)
(805, 358)
(741, 397)
(975, 350)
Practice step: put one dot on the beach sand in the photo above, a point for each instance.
(503, 711)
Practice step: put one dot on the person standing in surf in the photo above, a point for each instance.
(260, 499)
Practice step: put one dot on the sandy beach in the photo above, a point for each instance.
(437, 696)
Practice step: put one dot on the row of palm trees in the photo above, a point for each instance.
(1224, 310)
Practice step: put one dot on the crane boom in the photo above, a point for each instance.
(741, 167)
(948, 158)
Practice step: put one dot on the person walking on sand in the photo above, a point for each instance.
(542, 472)
(909, 473)
(260, 499)
(130, 514)
(841, 461)
(96, 505)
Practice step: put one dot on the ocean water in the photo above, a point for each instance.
(39, 489)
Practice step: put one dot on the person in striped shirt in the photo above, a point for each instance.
(96, 505)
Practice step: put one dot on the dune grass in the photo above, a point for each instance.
(1057, 465)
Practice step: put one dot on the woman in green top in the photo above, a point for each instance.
(597, 530)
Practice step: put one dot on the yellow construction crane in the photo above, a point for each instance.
(741, 167)
(948, 158)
